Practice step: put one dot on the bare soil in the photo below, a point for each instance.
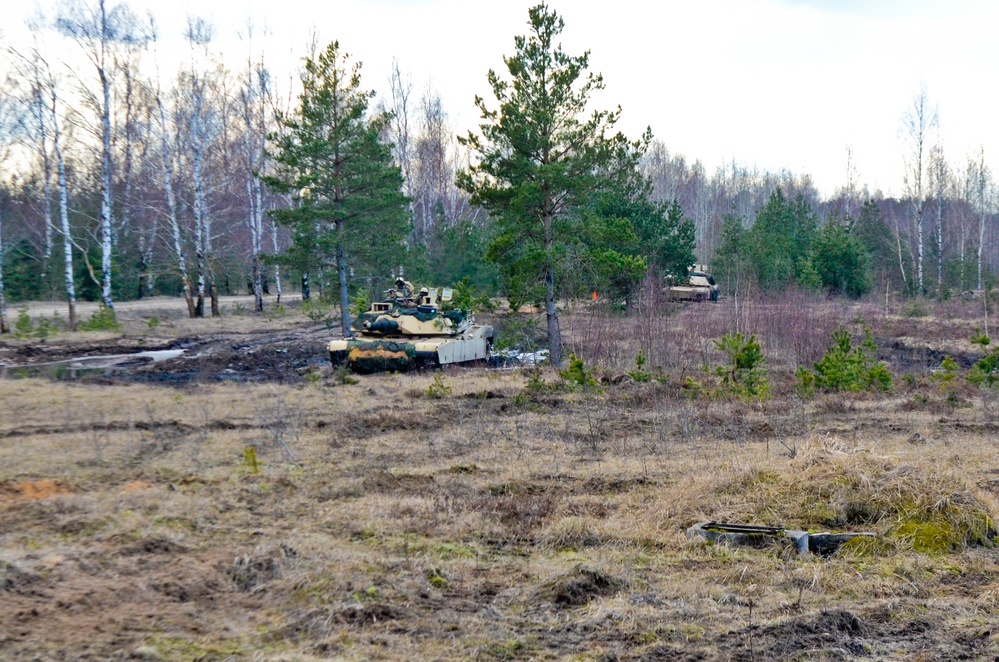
(244, 502)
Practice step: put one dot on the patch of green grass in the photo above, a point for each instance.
(179, 648)
(938, 534)
(436, 579)
(863, 547)
(509, 649)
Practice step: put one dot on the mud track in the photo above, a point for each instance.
(272, 356)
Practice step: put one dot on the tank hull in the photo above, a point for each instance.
(367, 354)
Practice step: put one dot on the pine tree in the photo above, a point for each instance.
(540, 159)
(349, 191)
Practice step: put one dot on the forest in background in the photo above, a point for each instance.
(119, 181)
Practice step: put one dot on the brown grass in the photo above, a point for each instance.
(383, 524)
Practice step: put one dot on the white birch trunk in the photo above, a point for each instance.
(67, 239)
(277, 267)
(253, 194)
(178, 245)
(258, 293)
(898, 246)
(106, 234)
(981, 217)
(200, 222)
(4, 327)
(940, 259)
(919, 245)
(39, 111)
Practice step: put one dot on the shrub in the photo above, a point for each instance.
(917, 308)
(744, 373)
(805, 382)
(251, 464)
(360, 303)
(576, 373)
(103, 319)
(947, 375)
(979, 338)
(439, 388)
(848, 368)
(986, 371)
(465, 297)
(640, 374)
(343, 377)
(318, 312)
(23, 327)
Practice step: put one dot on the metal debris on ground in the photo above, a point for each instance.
(750, 535)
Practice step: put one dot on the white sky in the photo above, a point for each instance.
(767, 83)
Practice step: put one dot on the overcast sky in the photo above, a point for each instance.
(776, 84)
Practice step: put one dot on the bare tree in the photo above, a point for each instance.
(939, 175)
(982, 183)
(171, 198)
(8, 123)
(67, 237)
(199, 35)
(29, 68)
(917, 122)
(850, 190)
(98, 30)
(253, 96)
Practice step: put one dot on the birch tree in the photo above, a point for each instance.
(98, 29)
(29, 67)
(981, 183)
(939, 178)
(401, 90)
(8, 122)
(199, 34)
(67, 237)
(166, 173)
(917, 122)
(253, 97)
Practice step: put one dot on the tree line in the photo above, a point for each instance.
(119, 182)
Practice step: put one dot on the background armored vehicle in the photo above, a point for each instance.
(410, 330)
(699, 286)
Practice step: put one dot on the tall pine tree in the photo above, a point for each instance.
(541, 159)
(351, 206)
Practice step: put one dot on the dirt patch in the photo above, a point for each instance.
(385, 482)
(843, 634)
(136, 486)
(578, 587)
(34, 491)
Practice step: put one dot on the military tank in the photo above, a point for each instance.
(699, 286)
(410, 330)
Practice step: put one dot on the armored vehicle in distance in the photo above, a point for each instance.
(412, 330)
(699, 286)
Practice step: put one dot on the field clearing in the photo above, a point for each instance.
(244, 503)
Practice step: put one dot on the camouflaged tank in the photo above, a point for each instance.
(412, 330)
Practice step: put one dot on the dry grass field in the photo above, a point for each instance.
(242, 502)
